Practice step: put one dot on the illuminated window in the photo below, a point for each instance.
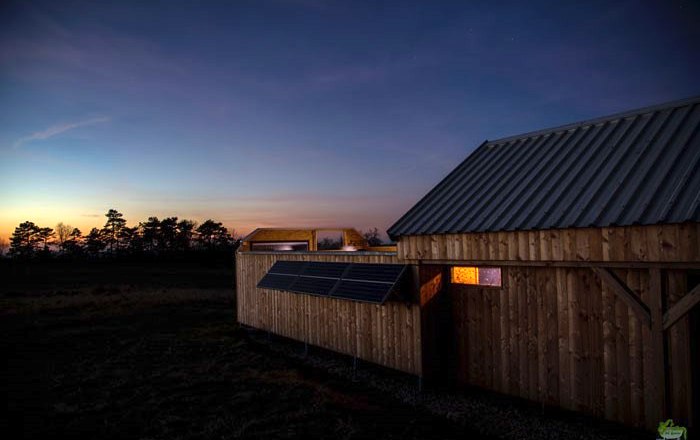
(476, 276)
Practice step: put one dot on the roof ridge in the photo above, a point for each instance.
(593, 121)
(609, 171)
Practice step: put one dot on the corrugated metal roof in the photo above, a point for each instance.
(638, 167)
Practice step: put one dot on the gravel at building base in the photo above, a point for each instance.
(489, 414)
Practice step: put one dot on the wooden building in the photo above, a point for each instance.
(383, 332)
(561, 266)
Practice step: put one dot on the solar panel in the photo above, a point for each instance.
(327, 270)
(362, 291)
(385, 273)
(314, 286)
(287, 267)
(354, 281)
(274, 281)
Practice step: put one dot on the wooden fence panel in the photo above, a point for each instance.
(386, 334)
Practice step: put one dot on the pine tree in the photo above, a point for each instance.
(45, 235)
(113, 227)
(73, 246)
(167, 233)
(185, 233)
(94, 242)
(24, 240)
(150, 231)
(213, 234)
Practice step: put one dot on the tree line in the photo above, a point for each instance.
(168, 236)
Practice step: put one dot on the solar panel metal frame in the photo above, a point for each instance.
(296, 286)
(287, 267)
(392, 279)
(320, 269)
(379, 298)
(391, 286)
(281, 268)
(269, 276)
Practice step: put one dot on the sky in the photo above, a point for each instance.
(302, 113)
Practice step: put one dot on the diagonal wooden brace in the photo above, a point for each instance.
(683, 306)
(624, 293)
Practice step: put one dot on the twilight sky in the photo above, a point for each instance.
(302, 113)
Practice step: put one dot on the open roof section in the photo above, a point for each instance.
(637, 167)
(301, 240)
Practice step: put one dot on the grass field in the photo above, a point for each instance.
(151, 351)
(126, 352)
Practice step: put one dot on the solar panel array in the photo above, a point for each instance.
(354, 281)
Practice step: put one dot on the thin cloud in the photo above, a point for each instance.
(58, 129)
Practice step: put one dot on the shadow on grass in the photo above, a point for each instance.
(130, 362)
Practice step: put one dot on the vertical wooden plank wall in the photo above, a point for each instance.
(388, 334)
(558, 335)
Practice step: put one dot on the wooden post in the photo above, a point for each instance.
(657, 362)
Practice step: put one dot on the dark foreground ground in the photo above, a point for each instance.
(150, 361)
(152, 351)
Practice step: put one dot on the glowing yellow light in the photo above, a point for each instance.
(478, 276)
(465, 275)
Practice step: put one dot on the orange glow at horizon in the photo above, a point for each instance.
(85, 224)
(240, 223)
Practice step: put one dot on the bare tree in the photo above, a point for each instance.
(328, 243)
(372, 237)
(63, 233)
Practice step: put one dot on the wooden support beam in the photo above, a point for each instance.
(657, 356)
(624, 293)
(519, 263)
(683, 306)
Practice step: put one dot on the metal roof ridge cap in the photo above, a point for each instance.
(584, 122)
